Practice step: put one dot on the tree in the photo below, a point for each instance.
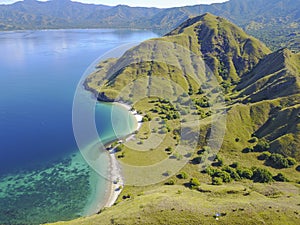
(234, 165)
(233, 173)
(245, 173)
(279, 161)
(253, 140)
(196, 160)
(169, 149)
(222, 174)
(262, 145)
(264, 156)
(280, 177)
(182, 175)
(262, 175)
(170, 182)
(194, 182)
(291, 161)
(217, 181)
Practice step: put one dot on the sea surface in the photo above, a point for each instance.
(43, 177)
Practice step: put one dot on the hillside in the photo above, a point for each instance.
(227, 50)
(254, 178)
(275, 22)
(178, 205)
(233, 57)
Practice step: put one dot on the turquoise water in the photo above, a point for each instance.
(43, 177)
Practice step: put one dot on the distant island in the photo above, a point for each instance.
(275, 22)
(255, 177)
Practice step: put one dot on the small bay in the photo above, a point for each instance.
(43, 177)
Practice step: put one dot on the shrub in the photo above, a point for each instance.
(264, 156)
(169, 149)
(253, 140)
(220, 162)
(122, 155)
(182, 175)
(245, 173)
(280, 177)
(196, 160)
(194, 182)
(234, 165)
(210, 170)
(233, 173)
(145, 119)
(217, 181)
(248, 149)
(170, 182)
(262, 145)
(291, 161)
(262, 175)
(279, 161)
(222, 174)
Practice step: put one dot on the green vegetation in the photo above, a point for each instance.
(262, 175)
(254, 171)
(238, 204)
(279, 161)
(194, 183)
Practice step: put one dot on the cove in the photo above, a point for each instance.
(43, 177)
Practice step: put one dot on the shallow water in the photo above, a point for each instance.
(43, 178)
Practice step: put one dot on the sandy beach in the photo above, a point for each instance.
(116, 178)
(117, 181)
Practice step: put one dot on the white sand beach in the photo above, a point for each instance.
(117, 180)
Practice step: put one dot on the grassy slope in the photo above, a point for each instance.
(274, 86)
(238, 203)
(224, 45)
(227, 50)
(275, 117)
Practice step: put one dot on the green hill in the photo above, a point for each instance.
(255, 177)
(227, 50)
(275, 22)
(178, 205)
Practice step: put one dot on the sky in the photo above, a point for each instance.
(145, 3)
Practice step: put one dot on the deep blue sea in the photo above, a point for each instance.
(42, 177)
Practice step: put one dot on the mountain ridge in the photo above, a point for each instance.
(259, 128)
(262, 131)
(265, 19)
(255, 75)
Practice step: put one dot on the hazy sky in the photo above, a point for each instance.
(146, 3)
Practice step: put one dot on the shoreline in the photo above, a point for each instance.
(117, 182)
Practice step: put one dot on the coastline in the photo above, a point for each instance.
(117, 181)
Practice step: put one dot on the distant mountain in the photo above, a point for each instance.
(275, 22)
